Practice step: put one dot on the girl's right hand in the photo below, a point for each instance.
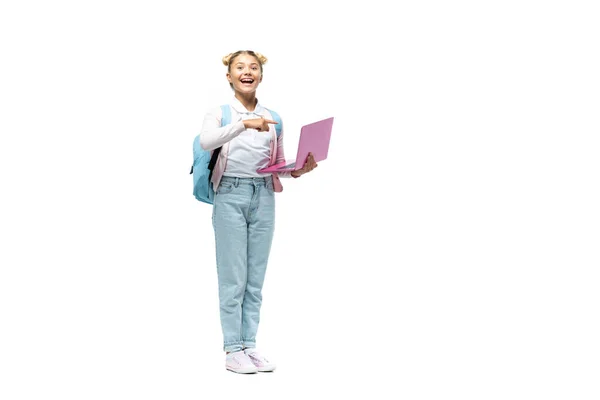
(260, 124)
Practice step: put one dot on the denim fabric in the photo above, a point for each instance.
(243, 220)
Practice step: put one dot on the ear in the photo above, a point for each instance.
(228, 75)
(260, 80)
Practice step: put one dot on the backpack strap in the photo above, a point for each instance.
(225, 120)
(225, 115)
(277, 119)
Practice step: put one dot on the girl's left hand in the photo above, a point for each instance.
(309, 165)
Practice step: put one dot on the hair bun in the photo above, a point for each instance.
(226, 59)
(261, 58)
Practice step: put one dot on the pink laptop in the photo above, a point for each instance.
(314, 138)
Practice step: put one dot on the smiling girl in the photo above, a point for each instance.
(244, 206)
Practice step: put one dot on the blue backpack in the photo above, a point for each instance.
(204, 163)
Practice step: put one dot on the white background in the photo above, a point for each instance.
(446, 249)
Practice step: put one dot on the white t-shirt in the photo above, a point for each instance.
(250, 150)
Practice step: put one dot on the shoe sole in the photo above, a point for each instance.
(242, 371)
(266, 369)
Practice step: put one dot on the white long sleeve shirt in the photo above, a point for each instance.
(249, 149)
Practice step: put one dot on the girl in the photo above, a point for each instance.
(244, 206)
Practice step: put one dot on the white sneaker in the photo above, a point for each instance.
(259, 361)
(239, 362)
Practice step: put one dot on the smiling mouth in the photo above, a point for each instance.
(247, 81)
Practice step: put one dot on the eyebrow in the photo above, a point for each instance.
(239, 62)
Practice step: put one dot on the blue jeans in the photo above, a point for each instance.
(244, 220)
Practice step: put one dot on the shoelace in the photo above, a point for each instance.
(259, 359)
(237, 361)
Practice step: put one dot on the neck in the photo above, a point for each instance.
(248, 100)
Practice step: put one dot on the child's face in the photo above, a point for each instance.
(245, 73)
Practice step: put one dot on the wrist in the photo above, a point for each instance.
(296, 174)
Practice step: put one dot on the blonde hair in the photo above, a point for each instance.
(228, 59)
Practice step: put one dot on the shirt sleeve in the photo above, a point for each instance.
(213, 135)
(281, 155)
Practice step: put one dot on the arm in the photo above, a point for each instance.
(213, 135)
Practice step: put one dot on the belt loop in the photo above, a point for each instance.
(237, 182)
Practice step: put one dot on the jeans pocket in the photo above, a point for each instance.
(269, 186)
(225, 187)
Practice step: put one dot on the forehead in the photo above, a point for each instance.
(245, 59)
